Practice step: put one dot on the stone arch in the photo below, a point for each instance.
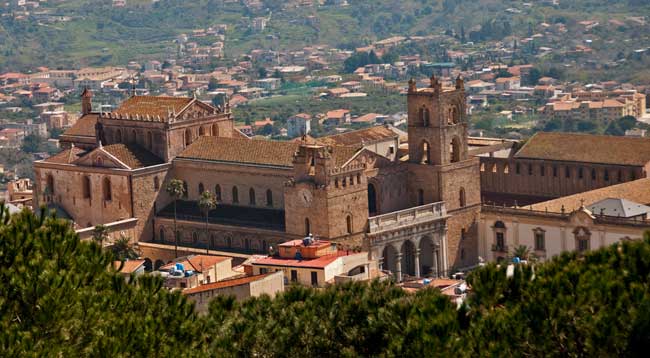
(427, 262)
(188, 136)
(107, 190)
(217, 192)
(86, 187)
(348, 224)
(148, 265)
(251, 197)
(389, 259)
(408, 258)
(159, 263)
(269, 198)
(455, 149)
(149, 140)
(372, 199)
(235, 195)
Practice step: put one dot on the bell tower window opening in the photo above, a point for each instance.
(426, 153)
(455, 150)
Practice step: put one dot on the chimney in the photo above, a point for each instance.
(86, 101)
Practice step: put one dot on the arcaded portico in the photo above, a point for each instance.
(411, 242)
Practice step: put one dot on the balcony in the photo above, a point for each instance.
(499, 248)
(407, 217)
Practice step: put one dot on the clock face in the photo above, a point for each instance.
(305, 197)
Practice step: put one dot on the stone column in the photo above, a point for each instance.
(417, 262)
(398, 267)
(435, 261)
(445, 263)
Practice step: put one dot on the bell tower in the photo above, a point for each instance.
(324, 198)
(440, 168)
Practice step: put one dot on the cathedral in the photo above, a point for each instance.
(429, 202)
(416, 212)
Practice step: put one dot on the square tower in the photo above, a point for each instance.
(440, 168)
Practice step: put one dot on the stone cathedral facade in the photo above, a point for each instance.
(416, 212)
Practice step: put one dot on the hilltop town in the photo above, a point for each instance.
(235, 157)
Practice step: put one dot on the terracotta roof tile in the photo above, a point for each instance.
(358, 137)
(224, 284)
(66, 157)
(245, 151)
(132, 155)
(198, 263)
(636, 190)
(587, 148)
(152, 105)
(129, 265)
(84, 127)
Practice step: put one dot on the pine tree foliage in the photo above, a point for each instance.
(62, 297)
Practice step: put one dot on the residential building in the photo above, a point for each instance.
(298, 125)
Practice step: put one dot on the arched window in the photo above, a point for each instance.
(499, 237)
(420, 197)
(372, 199)
(251, 196)
(201, 188)
(188, 137)
(49, 184)
(185, 189)
(461, 198)
(348, 223)
(424, 116)
(217, 192)
(107, 190)
(118, 136)
(426, 153)
(453, 114)
(156, 183)
(86, 187)
(215, 130)
(358, 178)
(455, 150)
(162, 234)
(235, 195)
(201, 131)
(307, 227)
(269, 198)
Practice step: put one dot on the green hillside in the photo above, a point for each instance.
(99, 34)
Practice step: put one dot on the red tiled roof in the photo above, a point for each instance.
(224, 284)
(132, 155)
(587, 148)
(198, 263)
(153, 105)
(317, 263)
(84, 126)
(129, 265)
(358, 137)
(66, 157)
(239, 150)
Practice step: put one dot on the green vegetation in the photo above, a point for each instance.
(100, 34)
(281, 108)
(62, 297)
